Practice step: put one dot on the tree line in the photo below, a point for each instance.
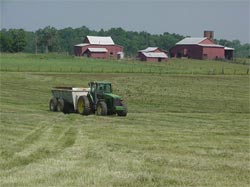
(50, 39)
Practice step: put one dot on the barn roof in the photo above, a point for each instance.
(149, 49)
(229, 48)
(190, 41)
(97, 50)
(100, 40)
(211, 45)
(197, 41)
(155, 55)
(81, 45)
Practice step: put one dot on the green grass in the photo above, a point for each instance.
(181, 129)
(71, 64)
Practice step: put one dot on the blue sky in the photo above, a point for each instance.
(229, 19)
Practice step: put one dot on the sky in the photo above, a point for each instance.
(229, 19)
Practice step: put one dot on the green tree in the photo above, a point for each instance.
(5, 42)
(18, 40)
(47, 38)
(13, 40)
(31, 42)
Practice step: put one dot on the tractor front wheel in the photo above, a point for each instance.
(123, 112)
(102, 109)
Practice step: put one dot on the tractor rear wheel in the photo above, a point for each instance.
(60, 105)
(53, 104)
(83, 105)
(123, 112)
(101, 109)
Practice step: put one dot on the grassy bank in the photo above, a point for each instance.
(181, 129)
(72, 64)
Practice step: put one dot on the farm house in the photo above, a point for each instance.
(153, 54)
(198, 48)
(201, 48)
(99, 47)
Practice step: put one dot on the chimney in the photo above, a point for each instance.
(209, 35)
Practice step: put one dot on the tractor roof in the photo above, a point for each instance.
(101, 82)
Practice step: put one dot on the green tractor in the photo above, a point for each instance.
(100, 99)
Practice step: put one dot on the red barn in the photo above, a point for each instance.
(198, 48)
(98, 47)
(152, 54)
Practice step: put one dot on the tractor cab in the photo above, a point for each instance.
(103, 101)
(98, 89)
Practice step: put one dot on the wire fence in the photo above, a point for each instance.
(150, 70)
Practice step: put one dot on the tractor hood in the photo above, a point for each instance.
(112, 95)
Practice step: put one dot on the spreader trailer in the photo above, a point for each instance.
(98, 98)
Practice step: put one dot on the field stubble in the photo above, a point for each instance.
(181, 130)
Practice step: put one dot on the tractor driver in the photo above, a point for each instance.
(100, 91)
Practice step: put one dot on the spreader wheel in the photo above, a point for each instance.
(53, 104)
(60, 105)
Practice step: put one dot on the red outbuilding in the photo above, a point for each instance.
(198, 48)
(229, 53)
(152, 54)
(99, 47)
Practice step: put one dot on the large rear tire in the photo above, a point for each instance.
(101, 109)
(123, 112)
(83, 105)
(53, 104)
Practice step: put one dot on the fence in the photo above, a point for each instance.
(150, 70)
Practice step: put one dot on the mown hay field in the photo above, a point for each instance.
(185, 128)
